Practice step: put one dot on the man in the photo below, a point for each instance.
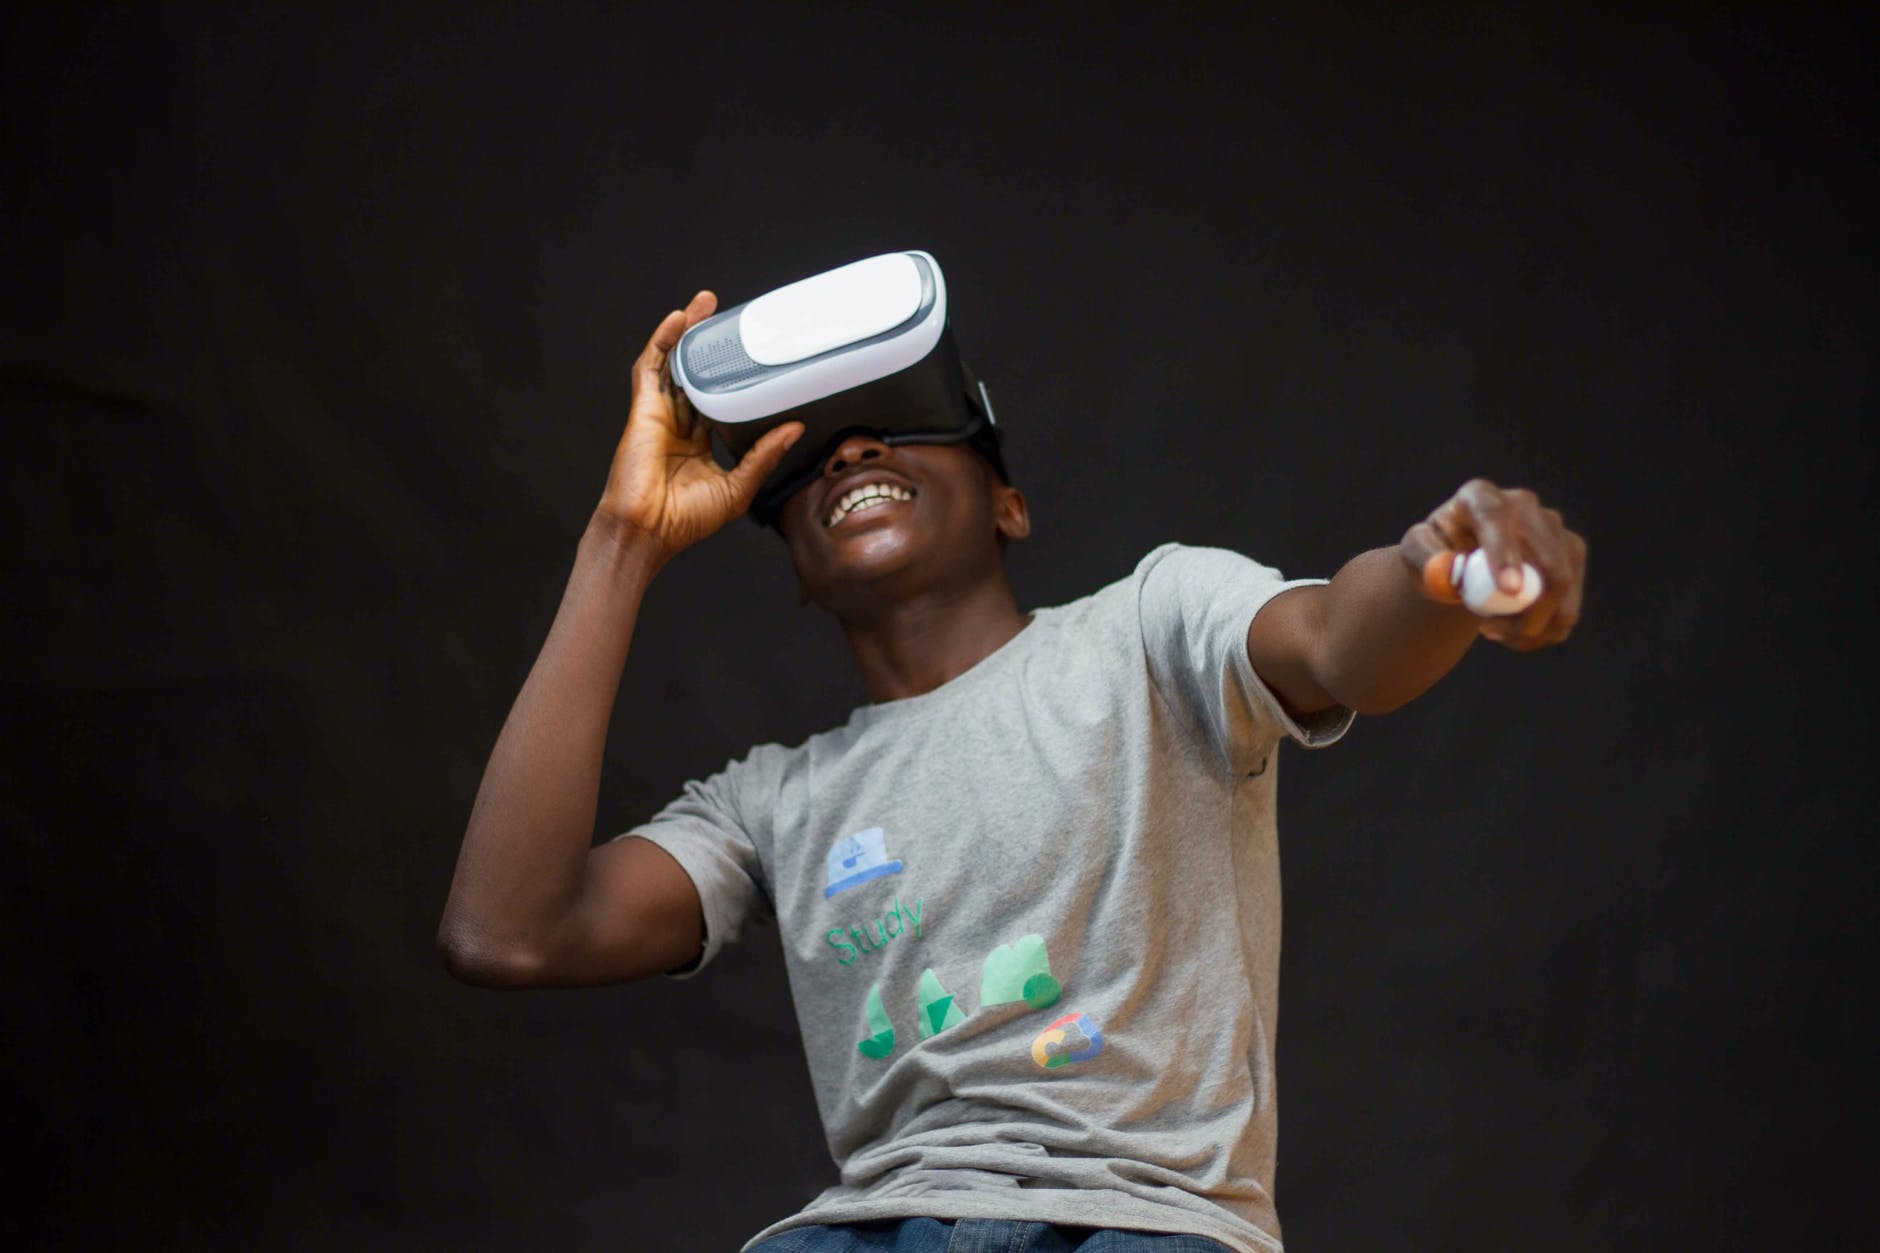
(1029, 894)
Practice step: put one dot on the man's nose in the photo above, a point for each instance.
(855, 448)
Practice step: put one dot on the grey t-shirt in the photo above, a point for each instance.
(1031, 918)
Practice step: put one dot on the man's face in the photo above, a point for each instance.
(885, 522)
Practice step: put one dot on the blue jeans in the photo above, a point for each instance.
(978, 1235)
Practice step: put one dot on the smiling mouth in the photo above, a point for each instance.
(867, 496)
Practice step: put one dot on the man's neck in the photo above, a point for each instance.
(917, 644)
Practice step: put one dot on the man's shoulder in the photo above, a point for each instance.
(758, 771)
(1120, 584)
(1172, 562)
(773, 760)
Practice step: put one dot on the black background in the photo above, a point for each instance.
(315, 341)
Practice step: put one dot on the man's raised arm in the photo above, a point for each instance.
(532, 903)
(1381, 634)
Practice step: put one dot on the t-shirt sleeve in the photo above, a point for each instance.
(1196, 605)
(704, 831)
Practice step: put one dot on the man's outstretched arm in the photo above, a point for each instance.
(1376, 637)
(532, 904)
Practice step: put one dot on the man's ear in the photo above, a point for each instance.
(1011, 513)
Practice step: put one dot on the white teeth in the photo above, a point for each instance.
(864, 497)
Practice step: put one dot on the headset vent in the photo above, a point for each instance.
(715, 359)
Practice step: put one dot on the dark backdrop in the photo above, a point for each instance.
(315, 341)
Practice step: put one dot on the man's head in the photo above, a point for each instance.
(863, 357)
(884, 524)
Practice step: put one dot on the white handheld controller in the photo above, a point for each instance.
(1471, 576)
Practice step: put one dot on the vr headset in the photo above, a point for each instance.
(863, 347)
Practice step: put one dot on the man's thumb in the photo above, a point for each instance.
(755, 466)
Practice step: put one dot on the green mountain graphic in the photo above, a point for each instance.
(937, 1010)
(880, 1041)
(1019, 971)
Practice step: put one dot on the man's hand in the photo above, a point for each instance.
(664, 485)
(1511, 526)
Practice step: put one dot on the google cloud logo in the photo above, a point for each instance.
(1072, 1038)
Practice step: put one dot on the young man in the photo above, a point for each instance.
(1028, 895)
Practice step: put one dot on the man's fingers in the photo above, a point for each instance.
(1552, 619)
(1549, 620)
(1533, 532)
(755, 466)
(666, 336)
(699, 308)
(1453, 523)
(1496, 530)
(1553, 634)
(1512, 528)
(652, 380)
(686, 421)
(1559, 556)
(652, 359)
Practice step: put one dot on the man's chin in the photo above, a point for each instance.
(866, 562)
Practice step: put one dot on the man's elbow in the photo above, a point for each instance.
(472, 958)
(1366, 696)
